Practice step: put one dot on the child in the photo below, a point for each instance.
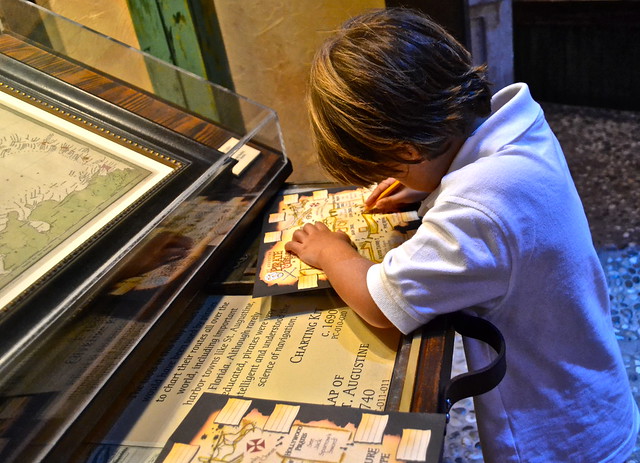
(393, 96)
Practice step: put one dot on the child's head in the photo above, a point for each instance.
(388, 80)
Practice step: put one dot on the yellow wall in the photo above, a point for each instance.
(269, 46)
(109, 18)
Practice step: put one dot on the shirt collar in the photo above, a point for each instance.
(513, 111)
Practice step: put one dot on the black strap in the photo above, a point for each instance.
(484, 379)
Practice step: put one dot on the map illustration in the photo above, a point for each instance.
(342, 209)
(228, 429)
(58, 187)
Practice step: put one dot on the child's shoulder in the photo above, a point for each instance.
(511, 170)
(512, 184)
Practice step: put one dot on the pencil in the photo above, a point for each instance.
(390, 189)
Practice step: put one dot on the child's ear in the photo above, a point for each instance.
(411, 154)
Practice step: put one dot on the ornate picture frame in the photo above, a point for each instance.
(62, 180)
(104, 172)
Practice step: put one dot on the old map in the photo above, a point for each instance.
(58, 187)
(340, 209)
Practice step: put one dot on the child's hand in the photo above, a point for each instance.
(315, 243)
(400, 197)
(346, 269)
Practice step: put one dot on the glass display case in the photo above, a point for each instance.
(126, 182)
(132, 194)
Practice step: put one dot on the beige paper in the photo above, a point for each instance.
(283, 348)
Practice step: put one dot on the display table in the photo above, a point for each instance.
(86, 333)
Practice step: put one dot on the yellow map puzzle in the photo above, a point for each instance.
(339, 209)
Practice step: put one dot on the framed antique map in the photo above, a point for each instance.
(60, 184)
(113, 163)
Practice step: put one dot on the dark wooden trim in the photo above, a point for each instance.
(576, 13)
(579, 52)
(434, 367)
(453, 15)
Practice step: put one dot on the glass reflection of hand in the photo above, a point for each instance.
(160, 249)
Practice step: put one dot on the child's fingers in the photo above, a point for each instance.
(385, 204)
(292, 246)
(378, 190)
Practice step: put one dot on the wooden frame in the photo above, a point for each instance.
(92, 177)
(49, 115)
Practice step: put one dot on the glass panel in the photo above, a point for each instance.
(65, 337)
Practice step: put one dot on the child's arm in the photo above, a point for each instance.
(333, 253)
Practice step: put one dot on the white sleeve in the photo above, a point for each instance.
(458, 258)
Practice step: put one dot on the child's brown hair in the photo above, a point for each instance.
(387, 80)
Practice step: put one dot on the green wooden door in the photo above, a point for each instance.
(185, 33)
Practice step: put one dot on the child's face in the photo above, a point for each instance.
(426, 175)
